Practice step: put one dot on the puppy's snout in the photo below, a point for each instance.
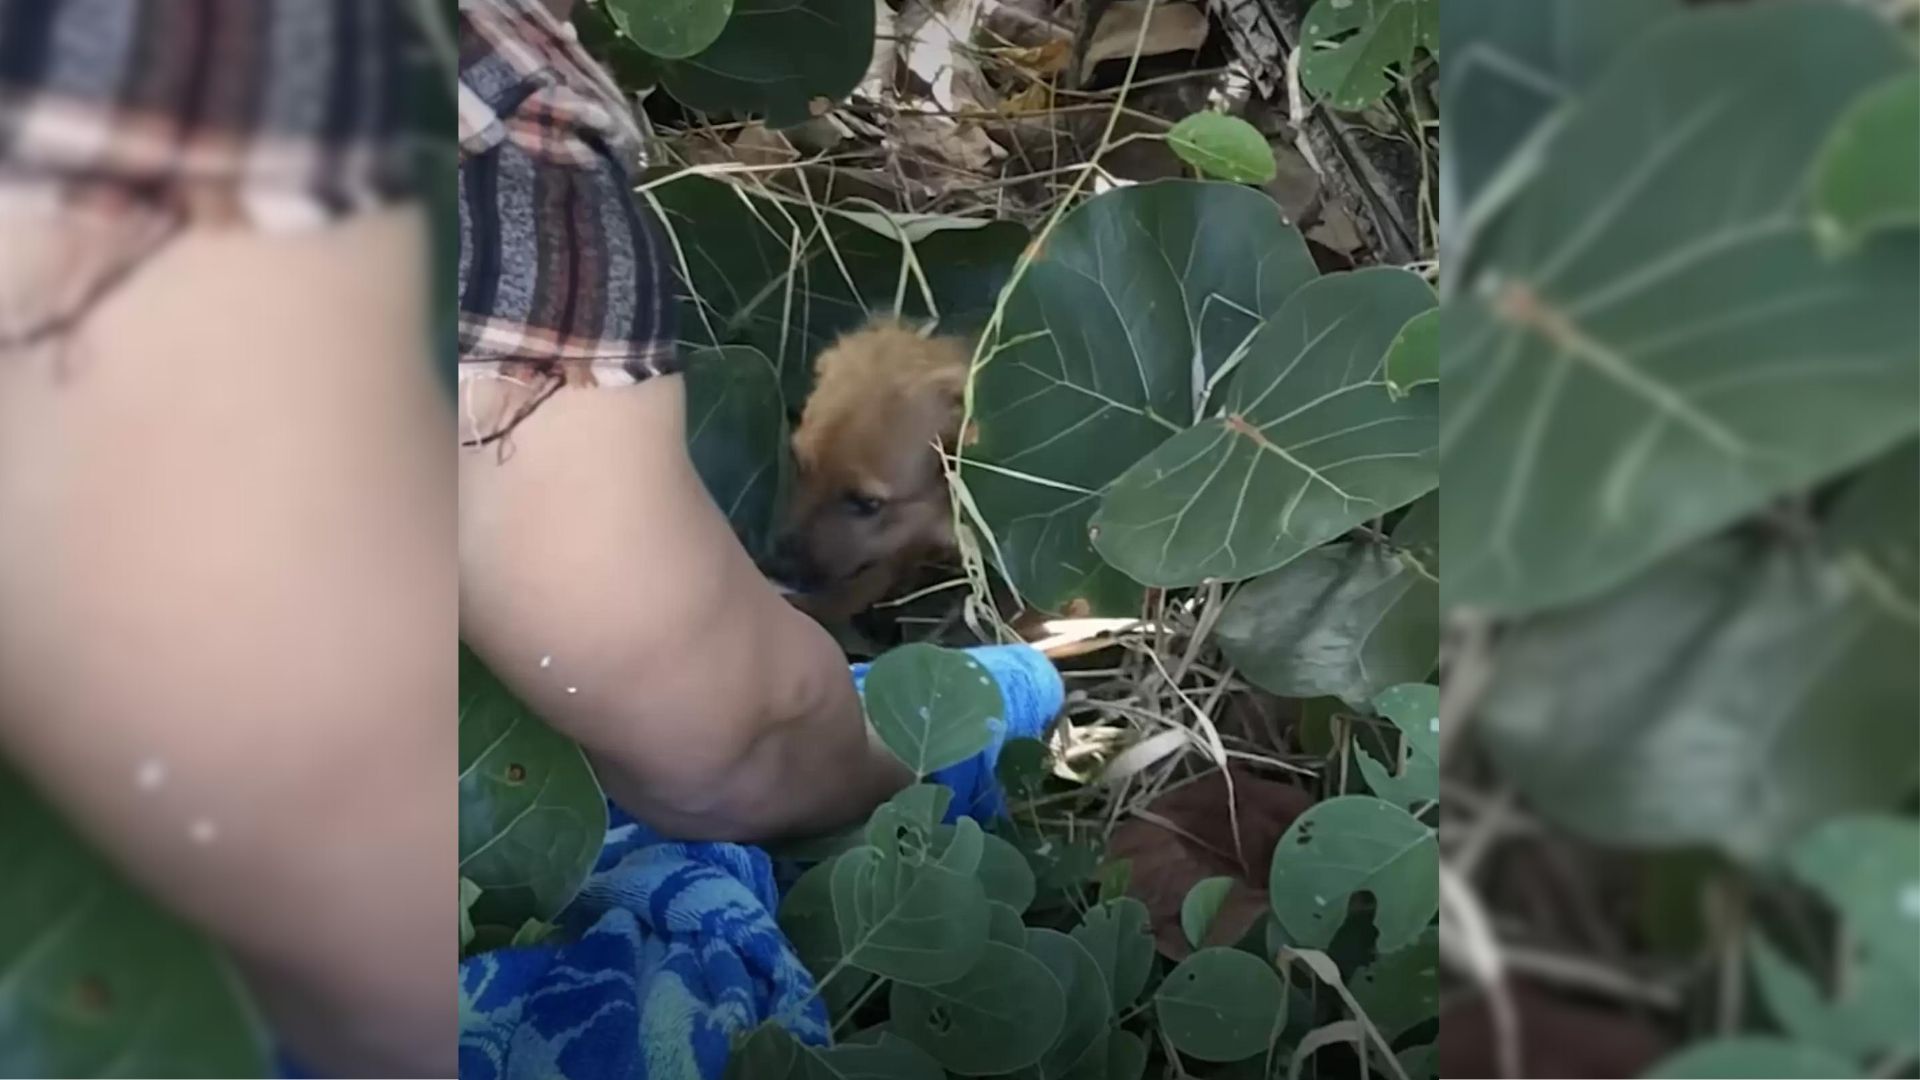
(791, 567)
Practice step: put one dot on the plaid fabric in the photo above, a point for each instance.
(565, 276)
(138, 117)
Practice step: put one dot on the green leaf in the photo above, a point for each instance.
(1347, 845)
(932, 707)
(1868, 868)
(1000, 1016)
(806, 918)
(1746, 1056)
(1221, 1005)
(916, 809)
(1746, 695)
(1645, 319)
(1421, 1062)
(1414, 357)
(1414, 709)
(1108, 343)
(1223, 147)
(1201, 904)
(469, 892)
(1005, 926)
(770, 1052)
(1022, 769)
(779, 59)
(1347, 620)
(1120, 938)
(1514, 62)
(1401, 989)
(1868, 176)
(761, 271)
(1308, 444)
(1871, 1016)
(1126, 1056)
(1083, 1028)
(671, 29)
(1418, 533)
(532, 816)
(531, 932)
(1005, 875)
(737, 437)
(913, 924)
(97, 979)
(1348, 45)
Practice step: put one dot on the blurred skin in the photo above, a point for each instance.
(711, 708)
(225, 551)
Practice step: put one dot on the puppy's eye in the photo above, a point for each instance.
(864, 505)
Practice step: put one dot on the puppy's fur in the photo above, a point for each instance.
(870, 503)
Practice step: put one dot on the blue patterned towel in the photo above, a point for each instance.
(671, 950)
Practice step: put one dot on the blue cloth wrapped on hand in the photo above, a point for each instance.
(671, 950)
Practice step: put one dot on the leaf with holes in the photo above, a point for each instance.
(1080, 1047)
(1000, 1016)
(1344, 620)
(1307, 445)
(1221, 1005)
(932, 707)
(1653, 314)
(1119, 936)
(532, 816)
(784, 60)
(1513, 64)
(916, 808)
(1415, 710)
(99, 980)
(737, 437)
(671, 29)
(1744, 1056)
(763, 271)
(770, 1052)
(1414, 357)
(1347, 46)
(1223, 147)
(1201, 904)
(914, 923)
(1109, 344)
(1869, 172)
(1747, 694)
(1352, 844)
(1401, 989)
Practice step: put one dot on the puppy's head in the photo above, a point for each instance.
(870, 500)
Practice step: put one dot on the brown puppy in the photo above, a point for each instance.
(870, 502)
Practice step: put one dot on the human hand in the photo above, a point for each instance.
(1033, 694)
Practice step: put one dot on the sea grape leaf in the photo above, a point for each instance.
(784, 60)
(1350, 844)
(1348, 45)
(737, 437)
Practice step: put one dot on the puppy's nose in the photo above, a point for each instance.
(790, 568)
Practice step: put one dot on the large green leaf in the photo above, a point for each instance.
(1510, 64)
(1414, 708)
(932, 707)
(1345, 621)
(779, 59)
(766, 272)
(1401, 989)
(1352, 844)
(737, 436)
(1308, 444)
(1002, 1015)
(1652, 344)
(1348, 45)
(918, 924)
(1119, 936)
(671, 29)
(532, 816)
(1082, 1041)
(97, 980)
(1107, 348)
(1746, 1056)
(1869, 176)
(770, 1052)
(1221, 1005)
(1738, 697)
(807, 919)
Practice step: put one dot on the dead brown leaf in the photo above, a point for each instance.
(1557, 1038)
(1187, 835)
(1173, 28)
